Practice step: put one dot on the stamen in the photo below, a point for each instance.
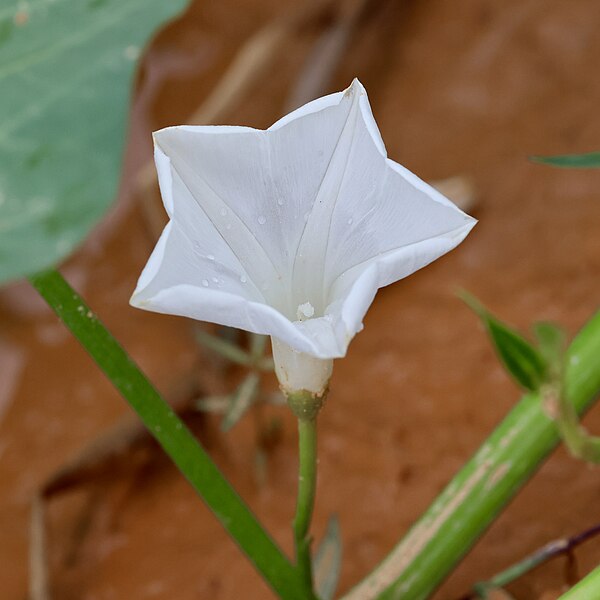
(305, 311)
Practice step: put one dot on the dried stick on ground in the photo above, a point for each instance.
(99, 459)
(316, 75)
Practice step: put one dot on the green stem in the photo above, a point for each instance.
(174, 437)
(475, 497)
(586, 589)
(563, 546)
(307, 483)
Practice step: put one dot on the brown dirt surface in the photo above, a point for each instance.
(471, 86)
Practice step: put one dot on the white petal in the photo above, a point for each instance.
(309, 213)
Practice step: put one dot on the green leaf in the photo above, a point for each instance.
(328, 560)
(65, 74)
(551, 340)
(223, 347)
(241, 401)
(591, 160)
(523, 362)
(213, 404)
(174, 437)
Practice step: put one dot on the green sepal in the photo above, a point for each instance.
(524, 362)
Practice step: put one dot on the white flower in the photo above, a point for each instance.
(290, 231)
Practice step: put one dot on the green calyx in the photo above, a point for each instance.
(306, 405)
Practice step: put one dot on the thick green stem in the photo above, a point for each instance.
(174, 437)
(587, 589)
(307, 484)
(474, 498)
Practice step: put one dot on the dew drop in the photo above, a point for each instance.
(205, 282)
(243, 278)
(280, 201)
(210, 256)
(350, 221)
(215, 280)
(262, 220)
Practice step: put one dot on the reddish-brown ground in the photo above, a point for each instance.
(471, 86)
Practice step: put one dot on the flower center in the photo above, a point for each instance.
(305, 311)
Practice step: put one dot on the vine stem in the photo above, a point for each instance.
(587, 588)
(307, 483)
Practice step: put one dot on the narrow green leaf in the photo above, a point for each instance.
(591, 160)
(174, 437)
(217, 405)
(65, 74)
(523, 362)
(328, 560)
(551, 340)
(223, 347)
(257, 345)
(241, 401)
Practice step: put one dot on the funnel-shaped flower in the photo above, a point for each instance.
(290, 231)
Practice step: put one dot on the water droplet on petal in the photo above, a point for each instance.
(215, 280)
(262, 220)
(243, 278)
(210, 256)
(205, 282)
(280, 201)
(350, 221)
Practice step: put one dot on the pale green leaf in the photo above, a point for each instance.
(65, 74)
(328, 560)
(241, 400)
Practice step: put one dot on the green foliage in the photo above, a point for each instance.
(241, 400)
(591, 160)
(484, 486)
(327, 563)
(522, 360)
(234, 353)
(65, 75)
(174, 437)
(551, 340)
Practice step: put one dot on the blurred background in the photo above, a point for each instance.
(466, 89)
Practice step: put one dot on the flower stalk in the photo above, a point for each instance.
(307, 484)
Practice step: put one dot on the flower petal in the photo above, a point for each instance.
(310, 212)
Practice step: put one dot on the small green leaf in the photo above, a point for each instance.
(328, 560)
(257, 345)
(524, 362)
(213, 404)
(223, 347)
(551, 340)
(241, 401)
(591, 160)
